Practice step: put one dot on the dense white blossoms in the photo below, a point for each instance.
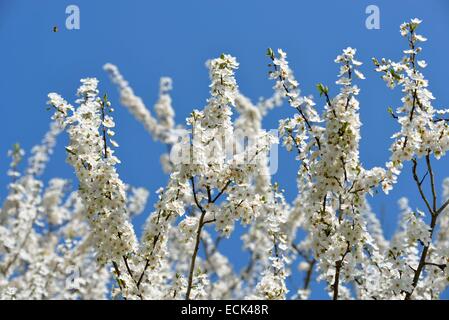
(100, 187)
(43, 235)
(102, 192)
(331, 179)
(424, 130)
(158, 127)
(58, 241)
(344, 237)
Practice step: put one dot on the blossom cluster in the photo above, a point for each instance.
(345, 239)
(60, 242)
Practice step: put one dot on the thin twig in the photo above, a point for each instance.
(308, 277)
(422, 260)
(338, 266)
(195, 253)
(418, 183)
(432, 183)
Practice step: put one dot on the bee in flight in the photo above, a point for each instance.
(55, 29)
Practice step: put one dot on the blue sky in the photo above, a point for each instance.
(150, 39)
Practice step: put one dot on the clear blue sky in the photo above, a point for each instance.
(149, 39)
